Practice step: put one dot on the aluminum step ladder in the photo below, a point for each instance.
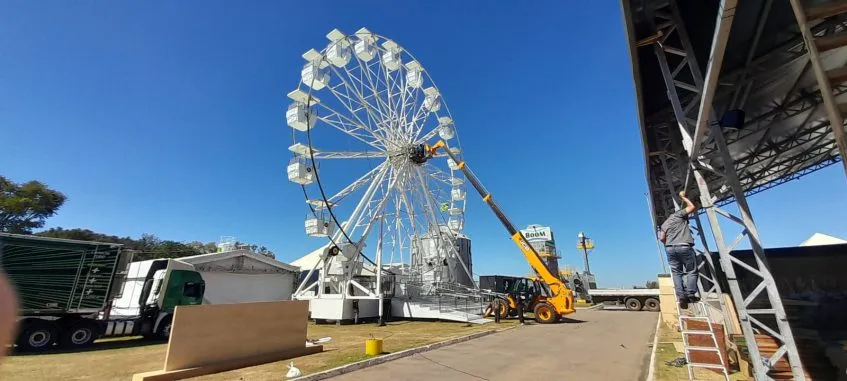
(699, 312)
(826, 78)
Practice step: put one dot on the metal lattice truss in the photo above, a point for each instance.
(786, 135)
(784, 139)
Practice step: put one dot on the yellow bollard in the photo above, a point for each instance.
(373, 347)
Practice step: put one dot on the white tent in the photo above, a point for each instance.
(309, 261)
(819, 239)
(242, 276)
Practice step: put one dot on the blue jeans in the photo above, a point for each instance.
(683, 263)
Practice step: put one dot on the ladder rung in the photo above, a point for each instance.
(831, 42)
(696, 332)
(712, 349)
(703, 365)
(823, 11)
(694, 317)
(837, 76)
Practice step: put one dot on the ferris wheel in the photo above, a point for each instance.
(359, 116)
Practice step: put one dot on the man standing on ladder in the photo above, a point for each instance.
(679, 246)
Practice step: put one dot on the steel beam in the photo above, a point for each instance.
(832, 110)
(726, 14)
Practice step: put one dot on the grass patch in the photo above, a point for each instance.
(119, 359)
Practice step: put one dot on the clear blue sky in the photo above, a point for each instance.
(168, 118)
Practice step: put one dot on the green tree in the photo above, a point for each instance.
(26, 206)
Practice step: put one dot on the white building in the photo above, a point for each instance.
(241, 276)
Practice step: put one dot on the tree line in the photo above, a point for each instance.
(25, 207)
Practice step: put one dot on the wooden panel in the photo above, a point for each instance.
(179, 374)
(208, 334)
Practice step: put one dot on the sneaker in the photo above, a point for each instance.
(693, 299)
(683, 303)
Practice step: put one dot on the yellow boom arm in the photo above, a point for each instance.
(561, 297)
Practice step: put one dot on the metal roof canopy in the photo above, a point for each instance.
(765, 71)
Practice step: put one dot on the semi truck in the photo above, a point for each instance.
(73, 292)
(634, 299)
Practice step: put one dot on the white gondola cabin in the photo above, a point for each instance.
(365, 47)
(456, 211)
(300, 117)
(452, 164)
(432, 101)
(414, 74)
(318, 227)
(456, 224)
(338, 51)
(445, 128)
(391, 55)
(300, 171)
(458, 194)
(313, 76)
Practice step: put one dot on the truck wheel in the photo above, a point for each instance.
(632, 304)
(545, 314)
(81, 334)
(36, 336)
(165, 330)
(651, 304)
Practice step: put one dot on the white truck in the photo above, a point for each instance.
(634, 299)
(73, 292)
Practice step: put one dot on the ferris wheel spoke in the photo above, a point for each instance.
(350, 155)
(381, 104)
(350, 127)
(355, 108)
(358, 183)
(370, 110)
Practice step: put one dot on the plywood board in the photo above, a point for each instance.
(179, 374)
(210, 334)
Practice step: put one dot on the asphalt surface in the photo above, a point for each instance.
(595, 345)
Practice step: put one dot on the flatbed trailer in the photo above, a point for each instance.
(634, 299)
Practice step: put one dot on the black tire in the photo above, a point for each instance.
(36, 335)
(651, 304)
(632, 304)
(79, 335)
(545, 314)
(164, 332)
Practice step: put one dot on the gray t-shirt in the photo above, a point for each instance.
(676, 229)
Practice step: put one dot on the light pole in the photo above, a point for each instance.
(585, 244)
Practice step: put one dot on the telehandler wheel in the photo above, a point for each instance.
(545, 314)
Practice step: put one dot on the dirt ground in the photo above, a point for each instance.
(593, 345)
(120, 359)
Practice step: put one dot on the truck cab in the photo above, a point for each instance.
(148, 296)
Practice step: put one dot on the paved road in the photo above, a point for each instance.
(600, 345)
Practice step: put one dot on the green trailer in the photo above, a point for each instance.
(59, 276)
(73, 292)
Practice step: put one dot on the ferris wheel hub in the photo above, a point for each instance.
(419, 154)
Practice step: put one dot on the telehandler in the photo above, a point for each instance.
(553, 299)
